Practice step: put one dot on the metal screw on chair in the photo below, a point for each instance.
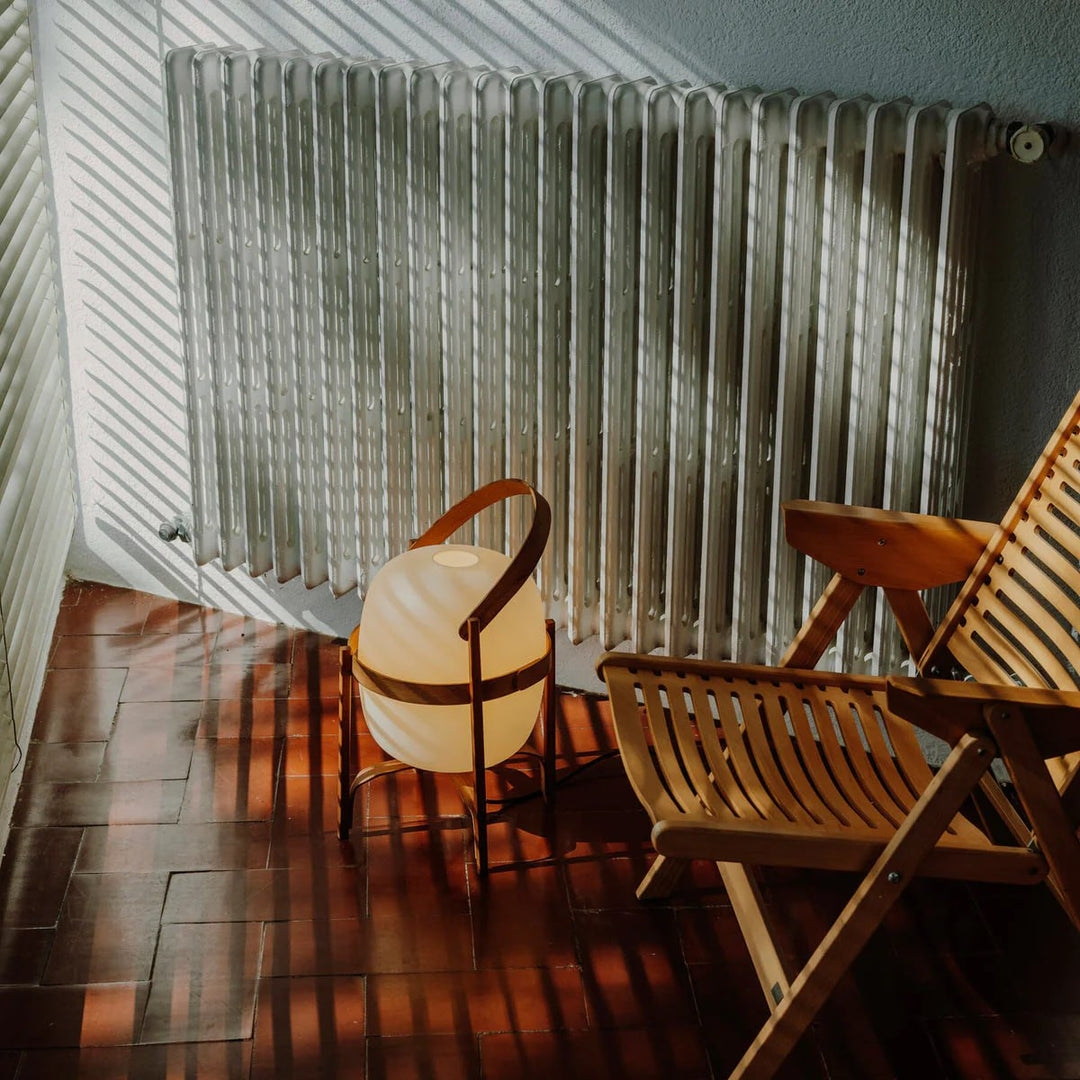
(894, 877)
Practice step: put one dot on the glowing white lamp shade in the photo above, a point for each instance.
(409, 630)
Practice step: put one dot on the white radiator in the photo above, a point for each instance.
(670, 307)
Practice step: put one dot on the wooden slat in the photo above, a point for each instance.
(764, 756)
(670, 770)
(690, 752)
(773, 709)
(862, 766)
(811, 750)
(838, 764)
(749, 779)
(636, 757)
(722, 776)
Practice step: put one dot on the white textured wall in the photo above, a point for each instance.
(107, 144)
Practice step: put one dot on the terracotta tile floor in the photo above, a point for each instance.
(174, 902)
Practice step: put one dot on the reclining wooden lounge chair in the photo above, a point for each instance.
(788, 766)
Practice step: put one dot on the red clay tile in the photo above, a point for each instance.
(633, 969)
(424, 1057)
(408, 794)
(108, 929)
(406, 907)
(583, 725)
(1024, 1046)
(231, 781)
(100, 1015)
(77, 705)
(151, 741)
(308, 805)
(675, 1053)
(447, 1003)
(180, 1061)
(105, 611)
(204, 980)
(178, 617)
(311, 755)
(603, 787)
(413, 868)
(251, 641)
(192, 682)
(502, 936)
(315, 852)
(522, 835)
(589, 834)
(23, 953)
(221, 845)
(316, 672)
(852, 1041)
(711, 935)
(53, 762)
(732, 1009)
(265, 718)
(99, 803)
(34, 875)
(604, 883)
(264, 895)
(382, 944)
(121, 651)
(948, 917)
(310, 1027)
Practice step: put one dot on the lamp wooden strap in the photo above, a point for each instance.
(416, 693)
(523, 563)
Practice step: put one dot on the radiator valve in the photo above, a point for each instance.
(175, 529)
(1028, 142)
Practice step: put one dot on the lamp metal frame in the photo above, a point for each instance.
(472, 787)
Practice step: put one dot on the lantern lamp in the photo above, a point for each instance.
(454, 660)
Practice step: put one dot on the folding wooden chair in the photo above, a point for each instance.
(787, 766)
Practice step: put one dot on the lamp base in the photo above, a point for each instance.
(472, 787)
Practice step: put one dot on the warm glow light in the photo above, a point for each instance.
(409, 630)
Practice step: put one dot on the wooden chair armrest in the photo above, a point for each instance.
(949, 709)
(886, 547)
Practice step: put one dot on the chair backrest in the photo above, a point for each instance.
(1017, 617)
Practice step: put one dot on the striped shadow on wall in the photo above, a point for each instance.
(670, 307)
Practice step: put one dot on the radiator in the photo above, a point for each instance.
(669, 307)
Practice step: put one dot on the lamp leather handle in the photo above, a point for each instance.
(523, 563)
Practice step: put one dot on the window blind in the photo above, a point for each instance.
(36, 504)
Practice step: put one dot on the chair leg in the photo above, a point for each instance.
(862, 915)
(661, 879)
(774, 972)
